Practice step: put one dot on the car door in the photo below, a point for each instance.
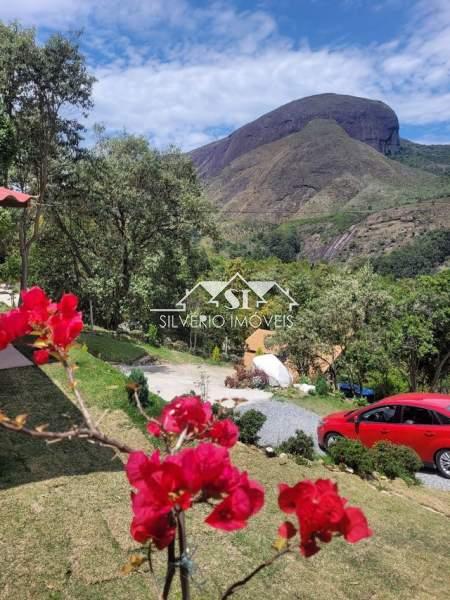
(419, 429)
(377, 424)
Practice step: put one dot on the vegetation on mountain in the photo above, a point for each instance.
(434, 158)
(430, 250)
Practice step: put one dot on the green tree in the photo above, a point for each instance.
(419, 335)
(41, 87)
(344, 306)
(129, 225)
(7, 146)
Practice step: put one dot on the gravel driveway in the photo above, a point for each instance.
(283, 419)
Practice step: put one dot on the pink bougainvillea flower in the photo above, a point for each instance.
(321, 513)
(68, 305)
(161, 484)
(141, 467)
(243, 502)
(35, 303)
(41, 357)
(156, 526)
(57, 325)
(13, 324)
(286, 530)
(207, 469)
(225, 433)
(154, 428)
(64, 330)
(183, 413)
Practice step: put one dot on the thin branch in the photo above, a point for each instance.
(171, 568)
(80, 401)
(180, 441)
(184, 569)
(238, 584)
(140, 407)
(76, 433)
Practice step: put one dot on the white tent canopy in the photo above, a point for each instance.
(275, 370)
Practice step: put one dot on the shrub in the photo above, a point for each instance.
(249, 423)
(353, 454)
(152, 335)
(300, 444)
(155, 405)
(361, 401)
(215, 354)
(259, 379)
(393, 460)
(137, 377)
(322, 387)
(247, 378)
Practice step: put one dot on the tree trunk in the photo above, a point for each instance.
(437, 374)
(24, 251)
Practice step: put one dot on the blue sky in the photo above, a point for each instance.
(189, 71)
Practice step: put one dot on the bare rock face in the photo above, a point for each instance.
(369, 121)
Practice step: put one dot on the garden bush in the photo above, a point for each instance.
(249, 423)
(215, 354)
(152, 335)
(137, 377)
(322, 387)
(300, 444)
(388, 459)
(393, 460)
(247, 378)
(353, 454)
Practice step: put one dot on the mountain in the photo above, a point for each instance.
(331, 166)
(369, 121)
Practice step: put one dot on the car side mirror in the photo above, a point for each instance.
(357, 420)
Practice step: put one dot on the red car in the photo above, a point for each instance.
(420, 421)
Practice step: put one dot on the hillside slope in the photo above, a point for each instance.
(317, 171)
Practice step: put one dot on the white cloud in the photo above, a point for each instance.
(50, 13)
(177, 101)
(179, 73)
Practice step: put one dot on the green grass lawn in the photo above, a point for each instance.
(123, 349)
(322, 405)
(112, 348)
(103, 386)
(4, 307)
(65, 537)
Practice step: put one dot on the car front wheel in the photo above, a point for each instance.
(331, 438)
(443, 462)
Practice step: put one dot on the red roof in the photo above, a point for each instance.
(11, 198)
